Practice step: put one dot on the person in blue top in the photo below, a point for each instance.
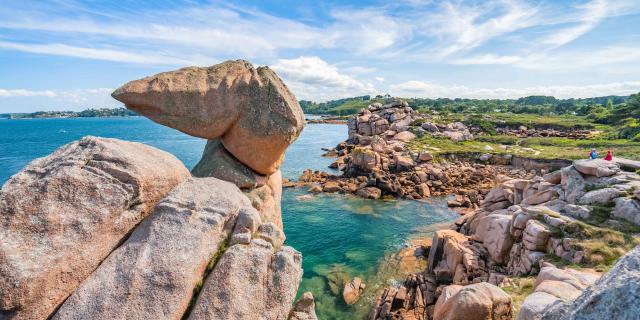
(593, 154)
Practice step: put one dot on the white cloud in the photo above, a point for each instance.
(487, 59)
(315, 79)
(11, 93)
(96, 54)
(430, 90)
(462, 26)
(380, 79)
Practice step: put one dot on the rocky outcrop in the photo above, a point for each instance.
(552, 286)
(251, 281)
(64, 213)
(152, 275)
(613, 296)
(250, 109)
(598, 167)
(510, 236)
(482, 301)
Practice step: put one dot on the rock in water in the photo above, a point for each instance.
(250, 282)
(152, 275)
(305, 308)
(250, 109)
(353, 290)
(64, 213)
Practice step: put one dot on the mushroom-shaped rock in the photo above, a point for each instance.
(250, 109)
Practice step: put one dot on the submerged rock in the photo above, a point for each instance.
(64, 213)
(250, 109)
(305, 308)
(152, 275)
(353, 290)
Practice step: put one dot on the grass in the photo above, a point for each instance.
(210, 266)
(520, 288)
(602, 246)
(536, 148)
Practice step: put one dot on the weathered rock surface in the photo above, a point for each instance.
(600, 196)
(217, 162)
(597, 167)
(353, 290)
(480, 301)
(250, 109)
(250, 282)
(613, 296)
(494, 233)
(64, 213)
(152, 275)
(572, 183)
(628, 209)
(305, 308)
(267, 199)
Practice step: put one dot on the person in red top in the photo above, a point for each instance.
(609, 156)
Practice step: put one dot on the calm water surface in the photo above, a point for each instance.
(338, 235)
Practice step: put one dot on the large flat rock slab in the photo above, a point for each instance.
(250, 109)
(153, 274)
(250, 281)
(63, 214)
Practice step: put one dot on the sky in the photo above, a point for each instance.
(70, 55)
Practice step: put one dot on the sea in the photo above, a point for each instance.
(339, 236)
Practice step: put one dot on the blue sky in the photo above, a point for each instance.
(71, 54)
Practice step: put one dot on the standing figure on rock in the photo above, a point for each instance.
(593, 154)
(609, 155)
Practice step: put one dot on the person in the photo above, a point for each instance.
(609, 156)
(593, 154)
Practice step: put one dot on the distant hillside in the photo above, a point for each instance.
(544, 105)
(88, 113)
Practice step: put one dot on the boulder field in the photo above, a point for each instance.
(582, 214)
(109, 229)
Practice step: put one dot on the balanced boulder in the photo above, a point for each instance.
(250, 109)
(63, 214)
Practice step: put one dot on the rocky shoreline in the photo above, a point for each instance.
(523, 228)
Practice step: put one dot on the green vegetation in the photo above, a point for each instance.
(210, 266)
(346, 106)
(613, 117)
(519, 289)
(534, 148)
(88, 113)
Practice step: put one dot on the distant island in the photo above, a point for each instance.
(88, 113)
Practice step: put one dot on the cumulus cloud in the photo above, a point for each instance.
(312, 78)
(430, 90)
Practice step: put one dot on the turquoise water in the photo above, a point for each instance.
(339, 236)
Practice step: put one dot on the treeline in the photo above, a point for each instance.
(88, 113)
(621, 112)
